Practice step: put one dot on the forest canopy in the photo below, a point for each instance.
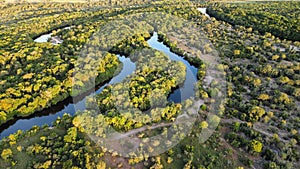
(253, 124)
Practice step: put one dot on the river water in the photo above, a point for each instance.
(46, 37)
(187, 89)
(49, 115)
(203, 11)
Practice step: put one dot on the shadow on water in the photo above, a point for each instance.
(186, 90)
(49, 115)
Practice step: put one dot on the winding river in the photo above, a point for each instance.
(49, 115)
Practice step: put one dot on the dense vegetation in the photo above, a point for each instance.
(263, 99)
(35, 76)
(280, 20)
(260, 120)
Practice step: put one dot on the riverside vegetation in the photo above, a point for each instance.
(259, 120)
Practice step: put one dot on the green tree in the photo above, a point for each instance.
(6, 154)
(256, 113)
(71, 136)
(203, 124)
(256, 146)
(2, 116)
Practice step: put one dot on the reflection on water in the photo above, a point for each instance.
(49, 115)
(187, 89)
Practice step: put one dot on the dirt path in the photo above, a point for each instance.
(230, 121)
